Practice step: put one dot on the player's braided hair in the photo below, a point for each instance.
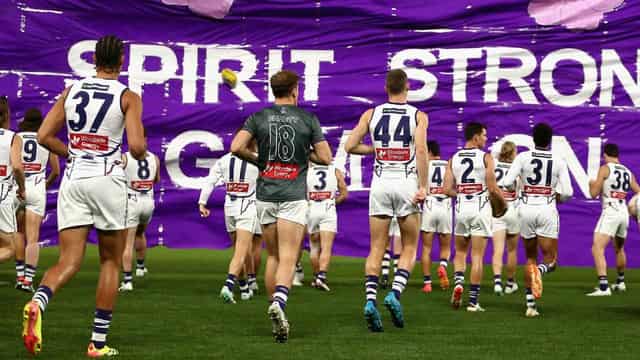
(109, 50)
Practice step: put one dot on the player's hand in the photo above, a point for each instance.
(204, 212)
(420, 196)
(21, 194)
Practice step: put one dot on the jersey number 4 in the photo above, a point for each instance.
(81, 122)
(402, 132)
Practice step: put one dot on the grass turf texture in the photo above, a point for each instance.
(175, 313)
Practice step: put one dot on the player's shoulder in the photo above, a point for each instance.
(7, 132)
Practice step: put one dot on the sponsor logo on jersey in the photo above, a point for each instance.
(620, 195)
(508, 195)
(32, 167)
(320, 195)
(436, 190)
(3, 170)
(393, 154)
(89, 142)
(280, 171)
(142, 184)
(237, 187)
(537, 190)
(469, 189)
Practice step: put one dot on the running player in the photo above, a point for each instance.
(471, 173)
(141, 176)
(398, 132)
(613, 183)
(288, 137)
(392, 253)
(240, 217)
(34, 160)
(11, 173)
(436, 219)
(93, 192)
(323, 181)
(545, 180)
(507, 228)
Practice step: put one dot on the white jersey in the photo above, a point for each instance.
(543, 174)
(469, 172)
(322, 183)
(239, 177)
(6, 170)
(616, 187)
(437, 169)
(392, 129)
(34, 157)
(510, 195)
(141, 173)
(95, 124)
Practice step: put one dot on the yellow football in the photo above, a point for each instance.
(229, 77)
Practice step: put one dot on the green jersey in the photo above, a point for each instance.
(285, 135)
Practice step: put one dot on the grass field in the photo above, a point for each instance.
(175, 314)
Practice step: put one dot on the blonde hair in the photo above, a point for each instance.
(507, 151)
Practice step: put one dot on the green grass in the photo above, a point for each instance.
(175, 313)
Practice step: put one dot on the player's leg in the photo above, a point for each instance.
(256, 250)
(127, 260)
(478, 247)
(499, 239)
(314, 255)
(32, 251)
(600, 242)
(445, 254)
(7, 249)
(397, 250)
(386, 264)
(326, 249)
(427, 242)
(621, 264)
(270, 236)
(379, 230)
(19, 242)
(141, 250)
(512, 263)
(531, 250)
(549, 249)
(459, 267)
(298, 277)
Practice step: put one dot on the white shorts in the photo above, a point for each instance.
(36, 196)
(7, 209)
(99, 201)
(140, 208)
(394, 228)
(246, 223)
(509, 222)
(322, 216)
(473, 217)
(393, 196)
(539, 220)
(436, 216)
(294, 211)
(613, 222)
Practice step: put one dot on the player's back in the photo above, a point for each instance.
(6, 170)
(540, 173)
(322, 182)
(141, 173)
(437, 170)
(95, 124)
(470, 173)
(501, 170)
(392, 129)
(240, 178)
(616, 187)
(34, 156)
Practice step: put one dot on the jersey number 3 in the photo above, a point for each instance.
(81, 122)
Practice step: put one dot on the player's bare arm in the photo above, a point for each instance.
(54, 162)
(132, 106)
(492, 184)
(595, 186)
(449, 181)
(16, 163)
(354, 143)
(321, 153)
(52, 124)
(240, 147)
(156, 179)
(342, 188)
(634, 185)
(421, 156)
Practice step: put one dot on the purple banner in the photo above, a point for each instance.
(507, 63)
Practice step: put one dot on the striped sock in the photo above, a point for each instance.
(426, 279)
(620, 278)
(19, 268)
(531, 302)
(42, 297)
(497, 280)
(396, 258)
(322, 276)
(140, 264)
(546, 268)
(128, 276)
(244, 288)
(386, 261)
(101, 323)
(604, 283)
(371, 288)
(510, 282)
(251, 279)
(459, 278)
(444, 262)
(281, 296)
(399, 282)
(30, 273)
(230, 282)
(299, 268)
(474, 293)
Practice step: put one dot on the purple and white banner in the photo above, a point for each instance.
(507, 63)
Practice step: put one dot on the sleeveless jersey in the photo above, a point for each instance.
(6, 170)
(437, 169)
(95, 124)
(239, 177)
(322, 182)
(141, 173)
(34, 156)
(392, 129)
(470, 172)
(541, 172)
(616, 186)
(502, 168)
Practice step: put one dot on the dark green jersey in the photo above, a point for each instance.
(285, 135)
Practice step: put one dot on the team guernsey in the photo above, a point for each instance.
(392, 129)
(239, 177)
(436, 215)
(614, 219)
(322, 185)
(140, 178)
(34, 160)
(7, 186)
(473, 211)
(544, 175)
(510, 221)
(93, 190)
